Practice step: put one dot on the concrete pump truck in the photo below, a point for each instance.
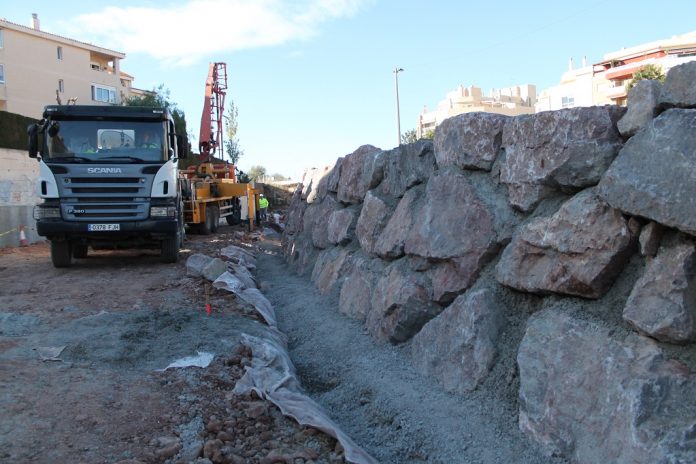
(108, 179)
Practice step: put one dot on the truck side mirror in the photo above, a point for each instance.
(182, 150)
(32, 132)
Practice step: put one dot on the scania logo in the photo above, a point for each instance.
(104, 170)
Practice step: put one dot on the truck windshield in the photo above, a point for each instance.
(107, 141)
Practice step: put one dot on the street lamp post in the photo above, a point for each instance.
(398, 114)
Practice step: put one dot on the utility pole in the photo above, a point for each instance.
(398, 114)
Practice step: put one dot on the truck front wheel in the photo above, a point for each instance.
(170, 249)
(79, 250)
(61, 253)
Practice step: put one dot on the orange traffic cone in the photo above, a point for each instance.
(22, 237)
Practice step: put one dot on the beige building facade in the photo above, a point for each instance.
(605, 83)
(38, 68)
(510, 101)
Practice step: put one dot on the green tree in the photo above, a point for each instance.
(231, 143)
(649, 71)
(409, 136)
(160, 97)
(256, 172)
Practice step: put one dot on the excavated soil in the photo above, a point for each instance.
(82, 353)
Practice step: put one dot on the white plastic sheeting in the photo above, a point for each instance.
(272, 376)
(253, 296)
(230, 282)
(202, 359)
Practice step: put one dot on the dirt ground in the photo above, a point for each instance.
(82, 358)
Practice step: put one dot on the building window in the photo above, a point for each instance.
(2, 73)
(567, 102)
(2, 39)
(103, 94)
(60, 53)
(61, 86)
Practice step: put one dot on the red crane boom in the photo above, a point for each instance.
(210, 141)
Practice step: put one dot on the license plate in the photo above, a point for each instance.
(102, 227)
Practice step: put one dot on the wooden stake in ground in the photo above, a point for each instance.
(208, 306)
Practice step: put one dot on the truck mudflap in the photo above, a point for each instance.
(150, 228)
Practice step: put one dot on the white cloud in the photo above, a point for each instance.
(183, 34)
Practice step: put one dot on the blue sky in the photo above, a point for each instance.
(313, 80)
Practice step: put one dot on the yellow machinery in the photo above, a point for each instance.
(211, 192)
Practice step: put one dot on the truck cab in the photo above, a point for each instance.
(108, 179)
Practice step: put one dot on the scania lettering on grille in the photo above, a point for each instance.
(104, 170)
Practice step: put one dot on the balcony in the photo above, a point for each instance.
(615, 93)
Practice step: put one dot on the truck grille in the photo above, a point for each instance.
(105, 199)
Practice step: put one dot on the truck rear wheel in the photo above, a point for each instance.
(208, 227)
(216, 218)
(235, 218)
(61, 253)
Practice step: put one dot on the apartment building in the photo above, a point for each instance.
(38, 68)
(605, 82)
(510, 101)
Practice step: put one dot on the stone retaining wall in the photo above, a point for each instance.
(554, 249)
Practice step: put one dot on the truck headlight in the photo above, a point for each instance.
(163, 211)
(46, 212)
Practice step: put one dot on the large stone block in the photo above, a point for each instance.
(591, 399)
(315, 220)
(391, 241)
(340, 226)
(373, 217)
(663, 301)
(643, 101)
(359, 285)
(557, 150)
(653, 176)
(295, 214)
(401, 304)
(455, 275)
(678, 90)
(330, 269)
(329, 181)
(406, 166)
(310, 184)
(458, 347)
(453, 222)
(360, 171)
(577, 251)
(469, 140)
(300, 253)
